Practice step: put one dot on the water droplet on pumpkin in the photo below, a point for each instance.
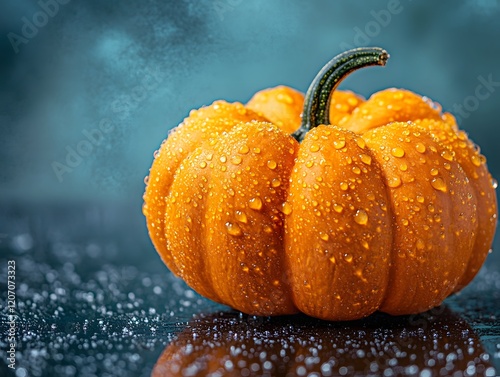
(233, 229)
(365, 244)
(314, 148)
(286, 208)
(268, 229)
(146, 179)
(476, 160)
(420, 244)
(361, 217)
(397, 152)
(256, 150)
(271, 164)
(434, 172)
(439, 184)
(236, 160)
(338, 208)
(255, 203)
(156, 154)
(324, 236)
(241, 217)
(348, 258)
(494, 183)
(394, 182)
(420, 199)
(356, 170)
(203, 164)
(244, 149)
(447, 155)
(344, 186)
(403, 167)
(339, 144)
(223, 159)
(420, 147)
(332, 259)
(365, 159)
(361, 142)
(276, 182)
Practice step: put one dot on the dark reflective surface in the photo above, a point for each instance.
(94, 299)
(436, 343)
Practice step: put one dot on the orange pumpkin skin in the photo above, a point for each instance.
(392, 210)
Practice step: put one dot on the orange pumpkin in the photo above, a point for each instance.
(391, 208)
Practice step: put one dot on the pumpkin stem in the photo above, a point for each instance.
(317, 101)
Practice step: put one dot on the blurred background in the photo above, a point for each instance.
(135, 69)
(89, 89)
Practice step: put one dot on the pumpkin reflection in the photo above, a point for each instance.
(232, 344)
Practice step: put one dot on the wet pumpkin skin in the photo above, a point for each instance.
(391, 208)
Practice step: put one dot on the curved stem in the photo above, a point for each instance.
(317, 101)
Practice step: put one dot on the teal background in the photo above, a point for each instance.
(139, 67)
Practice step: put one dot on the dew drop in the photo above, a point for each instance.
(403, 167)
(146, 179)
(236, 160)
(420, 199)
(348, 258)
(332, 259)
(420, 147)
(361, 142)
(439, 184)
(344, 186)
(233, 229)
(324, 236)
(255, 203)
(494, 183)
(286, 208)
(338, 208)
(156, 154)
(476, 160)
(447, 155)
(256, 150)
(223, 159)
(361, 217)
(356, 170)
(394, 182)
(241, 217)
(276, 182)
(397, 152)
(203, 164)
(420, 244)
(365, 159)
(314, 148)
(365, 244)
(244, 149)
(271, 164)
(339, 144)
(434, 172)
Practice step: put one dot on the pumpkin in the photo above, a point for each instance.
(391, 208)
(230, 345)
